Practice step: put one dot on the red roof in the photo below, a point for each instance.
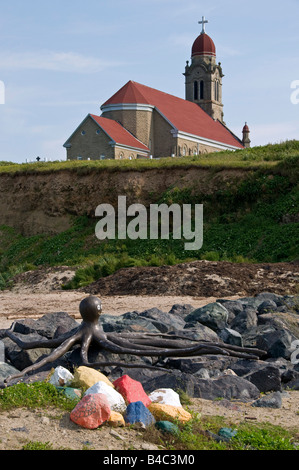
(118, 133)
(184, 115)
(203, 45)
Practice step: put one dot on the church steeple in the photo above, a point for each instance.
(204, 76)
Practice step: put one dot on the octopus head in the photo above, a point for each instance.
(90, 308)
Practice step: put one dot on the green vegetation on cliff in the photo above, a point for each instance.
(253, 220)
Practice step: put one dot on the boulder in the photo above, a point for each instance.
(86, 377)
(91, 412)
(138, 413)
(272, 400)
(169, 413)
(277, 343)
(266, 378)
(168, 427)
(266, 306)
(176, 380)
(47, 325)
(128, 322)
(61, 376)
(229, 336)
(244, 320)
(115, 399)
(181, 310)
(165, 396)
(131, 390)
(226, 386)
(6, 370)
(116, 420)
(198, 332)
(22, 358)
(213, 315)
(234, 307)
(163, 321)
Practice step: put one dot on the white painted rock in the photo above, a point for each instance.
(61, 377)
(115, 399)
(165, 396)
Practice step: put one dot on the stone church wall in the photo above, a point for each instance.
(91, 144)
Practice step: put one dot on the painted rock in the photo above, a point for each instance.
(137, 412)
(131, 390)
(169, 413)
(92, 411)
(167, 426)
(166, 396)
(86, 377)
(115, 399)
(116, 420)
(61, 377)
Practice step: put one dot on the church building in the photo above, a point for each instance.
(142, 122)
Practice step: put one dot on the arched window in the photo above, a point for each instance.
(195, 91)
(202, 85)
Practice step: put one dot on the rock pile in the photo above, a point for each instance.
(267, 321)
(119, 403)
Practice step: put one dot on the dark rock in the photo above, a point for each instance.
(129, 322)
(289, 375)
(272, 400)
(181, 310)
(176, 380)
(234, 307)
(141, 375)
(199, 332)
(244, 320)
(265, 296)
(163, 321)
(266, 306)
(226, 386)
(47, 325)
(276, 343)
(213, 315)
(293, 384)
(192, 365)
(229, 336)
(266, 378)
(292, 302)
(22, 358)
(6, 370)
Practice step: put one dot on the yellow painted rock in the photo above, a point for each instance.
(169, 413)
(116, 419)
(86, 377)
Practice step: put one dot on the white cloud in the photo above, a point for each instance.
(54, 61)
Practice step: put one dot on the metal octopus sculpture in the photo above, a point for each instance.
(138, 344)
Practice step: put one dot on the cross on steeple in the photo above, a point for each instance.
(203, 22)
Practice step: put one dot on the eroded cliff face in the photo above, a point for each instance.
(46, 202)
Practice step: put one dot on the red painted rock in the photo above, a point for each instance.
(131, 390)
(92, 411)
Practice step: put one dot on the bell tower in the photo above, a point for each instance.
(204, 76)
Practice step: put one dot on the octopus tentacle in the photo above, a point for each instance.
(112, 347)
(45, 343)
(58, 352)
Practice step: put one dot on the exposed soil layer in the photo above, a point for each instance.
(202, 279)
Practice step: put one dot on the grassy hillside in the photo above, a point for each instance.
(255, 220)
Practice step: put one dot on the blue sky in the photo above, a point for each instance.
(61, 60)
